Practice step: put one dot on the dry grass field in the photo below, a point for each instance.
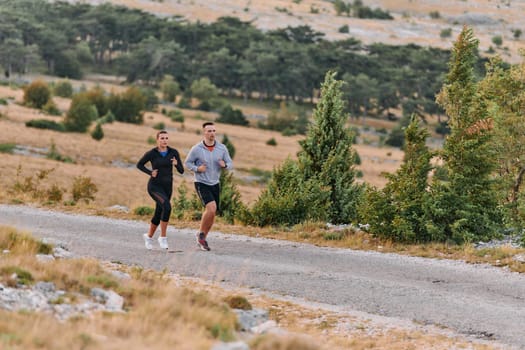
(412, 22)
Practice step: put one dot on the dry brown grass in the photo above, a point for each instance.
(166, 311)
(125, 144)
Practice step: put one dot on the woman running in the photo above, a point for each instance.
(160, 185)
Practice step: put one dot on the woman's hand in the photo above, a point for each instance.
(154, 172)
(174, 161)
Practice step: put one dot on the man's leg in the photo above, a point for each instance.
(208, 217)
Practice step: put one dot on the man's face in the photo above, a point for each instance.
(209, 133)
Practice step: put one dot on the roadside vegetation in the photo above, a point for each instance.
(162, 310)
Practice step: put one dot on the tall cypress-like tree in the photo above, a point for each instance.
(327, 154)
(466, 207)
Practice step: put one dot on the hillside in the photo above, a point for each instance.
(412, 21)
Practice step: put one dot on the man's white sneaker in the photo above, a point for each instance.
(148, 241)
(163, 242)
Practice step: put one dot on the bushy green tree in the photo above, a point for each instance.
(128, 107)
(327, 155)
(63, 89)
(169, 88)
(204, 90)
(98, 98)
(465, 208)
(80, 114)
(396, 212)
(229, 115)
(37, 94)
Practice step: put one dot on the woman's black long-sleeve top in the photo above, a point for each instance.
(162, 164)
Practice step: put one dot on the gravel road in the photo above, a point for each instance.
(474, 300)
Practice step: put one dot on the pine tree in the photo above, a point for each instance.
(465, 208)
(98, 133)
(327, 154)
(396, 212)
(504, 89)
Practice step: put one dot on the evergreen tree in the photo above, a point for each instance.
(229, 145)
(288, 199)
(504, 90)
(327, 154)
(465, 208)
(230, 197)
(98, 133)
(396, 212)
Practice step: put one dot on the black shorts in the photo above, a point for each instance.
(208, 193)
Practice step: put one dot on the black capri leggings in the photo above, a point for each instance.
(162, 197)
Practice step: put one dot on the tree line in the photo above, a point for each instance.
(470, 190)
(69, 40)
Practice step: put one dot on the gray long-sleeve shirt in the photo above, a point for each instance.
(200, 154)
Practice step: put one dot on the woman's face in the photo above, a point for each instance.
(162, 140)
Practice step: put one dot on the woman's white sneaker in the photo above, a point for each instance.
(148, 241)
(163, 242)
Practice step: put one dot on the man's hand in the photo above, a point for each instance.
(202, 168)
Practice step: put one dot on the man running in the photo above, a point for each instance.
(207, 159)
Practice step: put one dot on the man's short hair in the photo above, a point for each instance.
(206, 124)
(161, 132)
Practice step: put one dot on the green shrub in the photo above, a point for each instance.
(3, 101)
(53, 154)
(184, 103)
(229, 115)
(45, 124)
(81, 113)
(344, 29)
(98, 133)
(169, 88)
(271, 142)
(288, 199)
(143, 211)
(37, 94)
(51, 108)
(159, 126)
(176, 116)
(7, 147)
(446, 33)
(497, 40)
(22, 276)
(63, 89)
(434, 14)
(229, 145)
(97, 97)
(128, 107)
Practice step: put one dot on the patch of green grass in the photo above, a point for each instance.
(7, 148)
